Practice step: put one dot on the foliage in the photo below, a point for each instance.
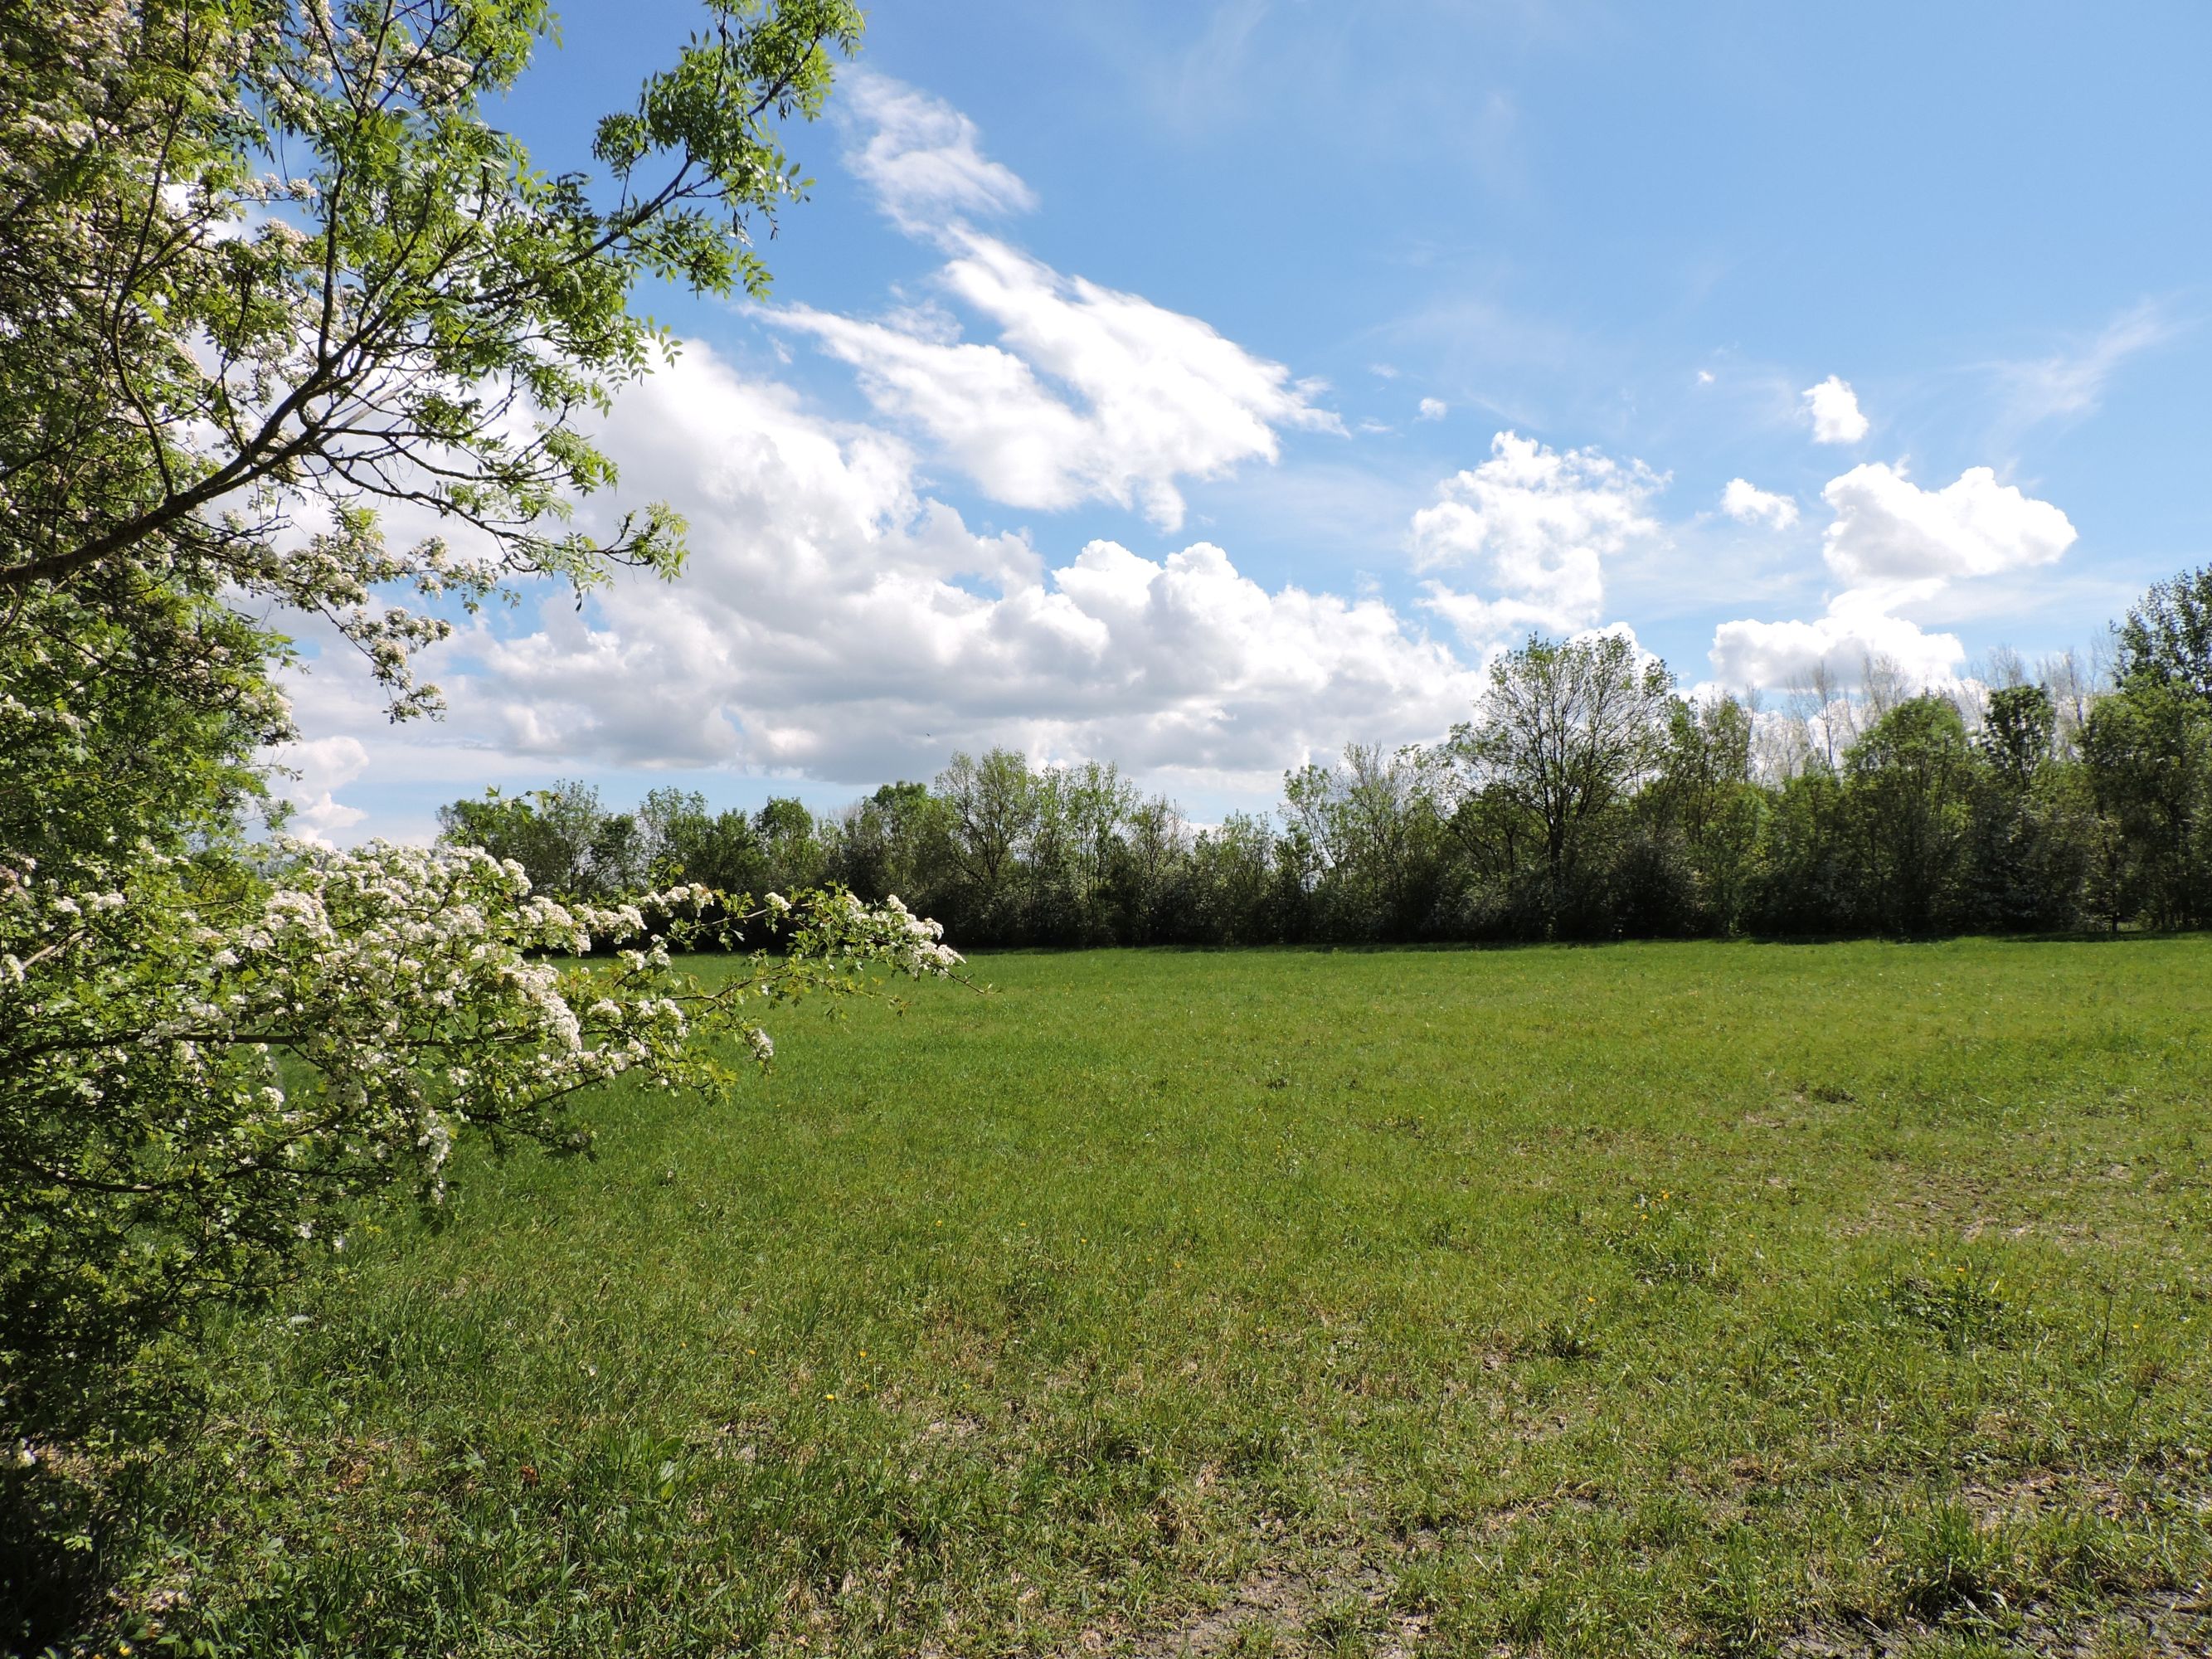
(269, 254)
(1567, 730)
(2148, 751)
(1909, 812)
(2166, 639)
(273, 275)
(1373, 821)
(213, 1073)
(562, 837)
(1706, 800)
(208, 1073)
(114, 731)
(2018, 734)
(273, 279)
(2034, 829)
(1231, 886)
(1808, 881)
(990, 805)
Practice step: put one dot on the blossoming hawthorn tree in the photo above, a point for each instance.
(272, 285)
(207, 1073)
(268, 277)
(266, 256)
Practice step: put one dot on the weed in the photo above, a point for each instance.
(1949, 1567)
(1961, 1306)
(1664, 1244)
(1566, 1338)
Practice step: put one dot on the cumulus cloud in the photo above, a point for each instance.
(1539, 524)
(1746, 503)
(1834, 409)
(1896, 546)
(834, 620)
(1764, 653)
(1888, 529)
(1433, 408)
(1088, 394)
(922, 157)
(319, 767)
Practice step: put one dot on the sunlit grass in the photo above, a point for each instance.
(1600, 1300)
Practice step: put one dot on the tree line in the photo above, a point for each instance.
(1583, 799)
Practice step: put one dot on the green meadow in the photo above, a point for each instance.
(1728, 1298)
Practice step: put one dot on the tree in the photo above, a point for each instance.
(2017, 733)
(1229, 885)
(1568, 730)
(1808, 878)
(2148, 752)
(565, 838)
(2167, 637)
(680, 840)
(992, 806)
(1374, 820)
(894, 842)
(1081, 811)
(269, 268)
(207, 1070)
(1148, 860)
(112, 732)
(2146, 749)
(1704, 796)
(670, 824)
(269, 271)
(1821, 713)
(2030, 843)
(1909, 781)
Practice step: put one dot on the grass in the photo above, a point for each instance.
(1743, 1299)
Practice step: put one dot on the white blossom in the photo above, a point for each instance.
(330, 1030)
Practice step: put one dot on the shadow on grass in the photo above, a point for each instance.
(1448, 947)
(80, 1454)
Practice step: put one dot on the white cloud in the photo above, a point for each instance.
(1888, 529)
(835, 621)
(1768, 654)
(1433, 408)
(1834, 408)
(1541, 521)
(1746, 503)
(2073, 382)
(1089, 395)
(1705, 377)
(321, 766)
(1897, 546)
(922, 157)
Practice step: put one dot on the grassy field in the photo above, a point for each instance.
(1737, 1298)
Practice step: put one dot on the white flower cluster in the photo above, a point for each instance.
(917, 948)
(207, 1061)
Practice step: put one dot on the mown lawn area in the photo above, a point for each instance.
(1740, 1298)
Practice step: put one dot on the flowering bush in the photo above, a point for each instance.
(205, 1067)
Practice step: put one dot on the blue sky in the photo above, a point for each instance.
(1204, 388)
